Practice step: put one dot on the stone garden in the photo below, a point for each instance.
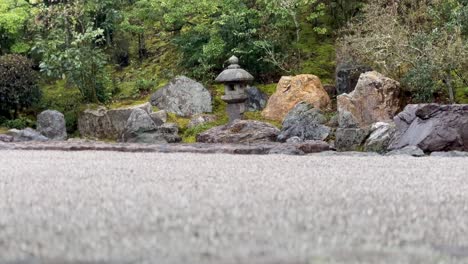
(362, 114)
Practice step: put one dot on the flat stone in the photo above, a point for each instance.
(200, 148)
(6, 138)
(450, 154)
(407, 151)
(240, 131)
(27, 134)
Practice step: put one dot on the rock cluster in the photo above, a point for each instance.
(50, 126)
(432, 127)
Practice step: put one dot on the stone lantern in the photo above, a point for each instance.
(235, 80)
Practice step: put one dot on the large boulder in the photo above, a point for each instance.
(305, 122)
(375, 99)
(432, 127)
(380, 137)
(51, 124)
(293, 90)
(27, 134)
(184, 97)
(256, 99)
(102, 123)
(347, 77)
(140, 128)
(240, 131)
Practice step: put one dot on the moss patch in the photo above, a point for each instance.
(268, 89)
(3, 130)
(128, 103)
(258, 117)
(461, 96)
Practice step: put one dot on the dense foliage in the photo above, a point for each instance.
(18, 87)
(422, 43)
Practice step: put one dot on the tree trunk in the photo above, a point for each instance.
(448, 82)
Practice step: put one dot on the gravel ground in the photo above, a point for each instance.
(109, 207)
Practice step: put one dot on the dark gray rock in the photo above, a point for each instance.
(350, 139)
(201, 119)
(184, 97)
(450, 154)
(432, 127)
(6, 138)
(170, 132)
(331, 90)
(347, 77)
(256, 99)
(380, 137)
(240, 131)
(27, 134)
(305, 122)
(408, 151)
(51, 124)
(140, 128)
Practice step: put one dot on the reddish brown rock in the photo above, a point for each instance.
(293, 90)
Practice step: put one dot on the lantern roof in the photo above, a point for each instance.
(234, 73)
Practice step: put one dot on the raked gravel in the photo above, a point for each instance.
(109, 207)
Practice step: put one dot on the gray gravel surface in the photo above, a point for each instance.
(109, 207)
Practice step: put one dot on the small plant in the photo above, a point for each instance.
(19, 123)
(143, 87)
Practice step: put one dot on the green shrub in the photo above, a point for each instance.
(19, 123)
(18, 86)
(144, 86)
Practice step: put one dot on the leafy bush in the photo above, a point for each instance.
(18, 87)
(144, 86)
(19, 123)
